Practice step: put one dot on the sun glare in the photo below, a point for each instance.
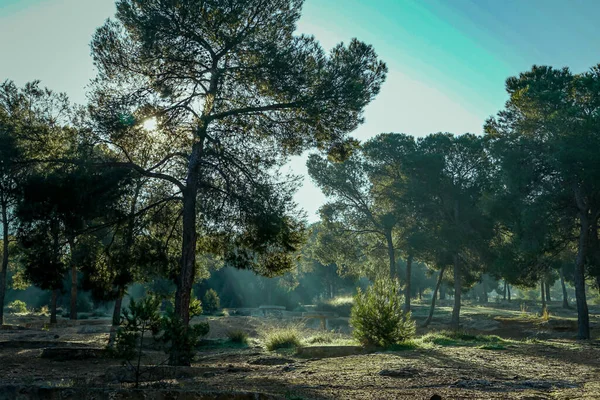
(150, 124)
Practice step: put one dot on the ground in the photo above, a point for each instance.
(504, 352)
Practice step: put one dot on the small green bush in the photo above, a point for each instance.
(211, 301)
(139, 319)
(238, 336)
(180, 338)
(286, 338)
(378, 317)
(17, 307)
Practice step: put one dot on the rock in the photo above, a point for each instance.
(435, 397)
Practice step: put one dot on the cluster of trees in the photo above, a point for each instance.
(520, 203)
(174, 165)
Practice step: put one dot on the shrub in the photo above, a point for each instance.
(286, 338)
(378, 318)
(17, 307)
(211, 301)
(84, 304)
(238, 336)
(181, 339)
(195, 307)
(139, 319)
(99, 314)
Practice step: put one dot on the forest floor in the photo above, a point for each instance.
(503, 352)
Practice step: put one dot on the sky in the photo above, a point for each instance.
(448, 59)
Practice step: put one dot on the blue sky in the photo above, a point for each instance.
(448, 59)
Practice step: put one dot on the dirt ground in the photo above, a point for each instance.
(537, 360)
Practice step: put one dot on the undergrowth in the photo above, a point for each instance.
(282, 338)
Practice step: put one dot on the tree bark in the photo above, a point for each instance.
(484, 295)
(73, 311)
(455, 321)
(504, 292)
(185, 278)
(391, 254)
(543, 293)
(442, 288)
(116, 320)
(583, 318)
(565, 302)
(437, 288)
(547, 287)
(409, 261)
(53, 306)
(508, 291)
(4, 270)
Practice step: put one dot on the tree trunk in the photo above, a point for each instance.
(73, 311)
(565, 302)
(583, 318)
(543, 293)
(185, 278)
(504, 292)
(420, 293)
(53, 306)
(437, 288)
(455, 321)
(407, 286)
(484, 296)
(116, 320)
(391, 254)
(508, 291)
(4, 260)
(442, 287)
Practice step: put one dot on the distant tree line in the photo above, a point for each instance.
(520, 203)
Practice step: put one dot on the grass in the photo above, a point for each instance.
(238, 336)
(283, 338)
(411, 344)
(460, 338)
(321, 338)
(545, 314)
